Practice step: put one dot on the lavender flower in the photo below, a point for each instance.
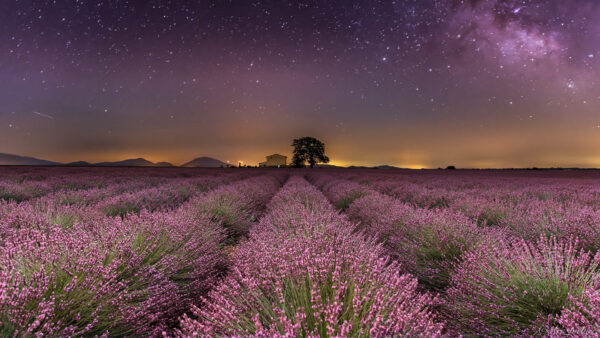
(515, 287)
(305, 272)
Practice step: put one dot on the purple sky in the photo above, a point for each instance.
(410, 83)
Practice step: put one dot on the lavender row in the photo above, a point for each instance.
(113, 276)
(425, 242)
(563, 206)
(567, 209)
(26, 187)
(492, 281)
(91, 205)
(238, 206)
(21, 184)
(162, 197)
(304, 272)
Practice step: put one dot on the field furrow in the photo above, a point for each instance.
(304, 272)
(490, 278)
(289, 252)
(130, 276)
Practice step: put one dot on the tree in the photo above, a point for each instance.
(308, 149)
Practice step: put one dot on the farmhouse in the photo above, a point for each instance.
(274, 160)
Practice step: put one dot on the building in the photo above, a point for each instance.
(274, 160)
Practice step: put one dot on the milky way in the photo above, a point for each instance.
(410, 83)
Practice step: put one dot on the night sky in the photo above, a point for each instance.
(414, 83)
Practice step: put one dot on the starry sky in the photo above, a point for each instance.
(413, 83)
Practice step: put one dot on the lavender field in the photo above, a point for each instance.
(298, 252)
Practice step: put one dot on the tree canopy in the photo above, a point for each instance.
(308, 149)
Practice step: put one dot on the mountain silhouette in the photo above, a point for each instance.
(205, 162)
(79, 164)
(200, 162)
(133, 162)
(10, 159)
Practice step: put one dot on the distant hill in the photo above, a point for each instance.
(79, 164)
(384, 166)
(133, 162)
(9, 159)
(205, 162)
(326, 166)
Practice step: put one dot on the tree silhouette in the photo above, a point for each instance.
(308, 149)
